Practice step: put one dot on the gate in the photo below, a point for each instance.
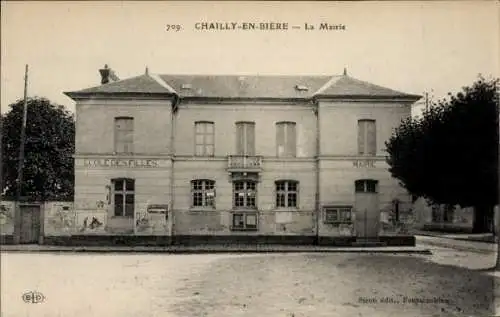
(30, 224)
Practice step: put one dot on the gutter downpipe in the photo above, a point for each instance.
(317, 194)
(175, 103)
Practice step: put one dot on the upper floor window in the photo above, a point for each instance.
(367, 137)
(203, 193)
(366, 186)
(123, 196)
(286, 139)
(245, 138)
(245, 194)
(124, 135)
(287, 193)
(204, 138)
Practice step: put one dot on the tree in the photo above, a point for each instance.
(49, 145)
(450, 154)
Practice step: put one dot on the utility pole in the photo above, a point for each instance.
(1, 157)
(426, 101)
(18, 215)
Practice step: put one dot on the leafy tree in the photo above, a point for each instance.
(49, 145)
(450, 154)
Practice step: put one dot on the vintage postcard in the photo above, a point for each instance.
(218, 158)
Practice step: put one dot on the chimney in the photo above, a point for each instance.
(107, 75)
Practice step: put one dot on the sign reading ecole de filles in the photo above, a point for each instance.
(127, 163)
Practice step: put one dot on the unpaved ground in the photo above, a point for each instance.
(336, 285)
(278, 285)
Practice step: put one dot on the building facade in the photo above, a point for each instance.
(260, 158)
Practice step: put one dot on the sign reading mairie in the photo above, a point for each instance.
(121, 163)
(363, 163)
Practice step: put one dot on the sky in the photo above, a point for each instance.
(414, 47)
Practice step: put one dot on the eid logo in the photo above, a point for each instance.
(33, 297)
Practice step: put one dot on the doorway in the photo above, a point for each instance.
(30, 224)
(367, 212)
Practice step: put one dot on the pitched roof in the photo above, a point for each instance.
(348, 86)
(233, 86)
(243, 86)
(139, 84)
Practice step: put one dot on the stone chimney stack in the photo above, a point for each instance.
(107, 75)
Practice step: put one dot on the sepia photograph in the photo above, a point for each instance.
(253, 158)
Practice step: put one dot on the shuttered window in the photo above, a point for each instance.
(367, 137)
(245, 138)
(204, 138)
(124, 135)
(286, 144)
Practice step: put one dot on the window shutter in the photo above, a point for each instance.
(290, 139)
(124, 135)
(199, 127)
(280, 139)
(240, 129)
(371, 137)
(250, 139)
(361, 137)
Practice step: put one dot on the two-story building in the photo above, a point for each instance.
(184, 158)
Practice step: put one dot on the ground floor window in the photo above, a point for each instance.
(286, 194)
(337, 214)
(245, 221)
(123, 197)
(203, 193)
(245, 194)
(366, 186)
(448, 213)
(436, 213)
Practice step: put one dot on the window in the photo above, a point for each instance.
(245, 193)
(124, 135)
(286, 193)
(204, 138)
(286, 139)
(366, 186)
(448, 213)
(123, 197)
(337, 214)
(245, 138)
(436, 213)
(244, 221)
(367, 137)
(203, 193)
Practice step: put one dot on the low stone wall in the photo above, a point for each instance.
(135, 240)
(64, 224)
(7, 209)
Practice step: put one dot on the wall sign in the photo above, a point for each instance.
(126, 163)
(157, 209)
(363, 163)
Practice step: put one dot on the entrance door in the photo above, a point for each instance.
(30, 224)
(367, 211)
